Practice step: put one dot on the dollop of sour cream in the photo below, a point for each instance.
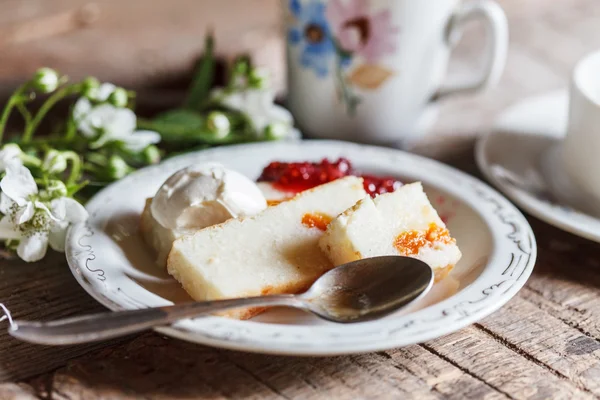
(203, 195)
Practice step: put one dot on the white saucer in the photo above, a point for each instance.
(521, 156)
(113, 265)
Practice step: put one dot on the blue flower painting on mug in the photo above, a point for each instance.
(313, 34)
(338, 31)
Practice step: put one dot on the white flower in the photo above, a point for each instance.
(102, 92)
(18, 194)
(29, 220)
(258, 105)
(19, 205)
(65, 212)
(10, 154)
(108, 123)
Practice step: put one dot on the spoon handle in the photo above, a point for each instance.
(108, 325)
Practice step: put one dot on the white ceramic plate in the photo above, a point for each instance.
(526, 141)
(110, 261)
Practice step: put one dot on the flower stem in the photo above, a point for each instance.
(50, 102)
(24, 112)
(12, 101)
(70, 130)
(75, 166)
(350, 99)
(28, 159)
(71, 190)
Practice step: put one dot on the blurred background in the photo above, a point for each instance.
(151, 46)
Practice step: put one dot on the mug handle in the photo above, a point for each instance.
(496, 44)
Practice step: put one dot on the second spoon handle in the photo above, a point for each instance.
(108, 325)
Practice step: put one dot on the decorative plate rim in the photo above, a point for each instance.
(508, 268)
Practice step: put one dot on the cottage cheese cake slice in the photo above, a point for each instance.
(275, 251)
(398, 223)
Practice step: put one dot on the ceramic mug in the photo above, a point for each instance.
(372, 71)
(581, 145)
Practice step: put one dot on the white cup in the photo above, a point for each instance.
(581, 146)
(372, 70)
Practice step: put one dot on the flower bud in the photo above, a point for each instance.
(151, 154)
(239, 72)
(90, 87)
(45, 80)
(117, 167)
(54, 162)
(218, 124)
(56, 189)
(276, 131)
(118, 98)
(258, 78)
(240, 67)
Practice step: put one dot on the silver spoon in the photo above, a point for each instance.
(357, 291)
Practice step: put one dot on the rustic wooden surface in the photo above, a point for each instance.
(545, 343)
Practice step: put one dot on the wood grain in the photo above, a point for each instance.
(543, 344)
(39, 291)
(137, 43)
(502, 367)
(151, 365)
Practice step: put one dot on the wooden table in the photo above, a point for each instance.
(545, 343)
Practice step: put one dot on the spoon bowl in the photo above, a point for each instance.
(354, 292)
(368, 289)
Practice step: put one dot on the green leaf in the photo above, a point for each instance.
(203, 78)
(180, 117)
(174, 125)
(189, 127)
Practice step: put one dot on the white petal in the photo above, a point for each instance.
(33, 247)
(41, 206)
(24, 214)
(96, 120)
(5, 204)
(235, 101)
(58, 209)
(10, 154)
(7, 229)
(114, 123)
(122, 123)
(12, 161)
(100, 115)
(68, 210)
(280, 114)
(80, 113)
(104, 91)
(139, 140)
(86, 128)
(263, 96)
(18, 184)
(257, 104)
(57, 237)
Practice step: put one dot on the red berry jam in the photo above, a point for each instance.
(375, 185)
(299, 176)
